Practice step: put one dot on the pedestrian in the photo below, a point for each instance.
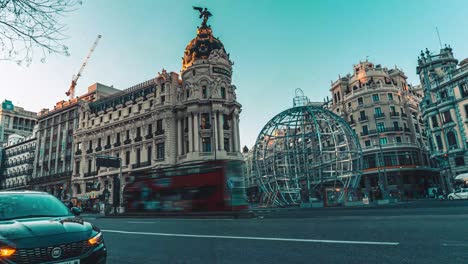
(70, 205)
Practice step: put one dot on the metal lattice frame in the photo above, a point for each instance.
(305, 148)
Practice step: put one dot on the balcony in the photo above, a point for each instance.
(404, 115)
(407, 129)
(78, 152)
(98, 149)
(159, 132)
(108, 146)
(363, 118)
(127, 141)
(141, 165)
(149, 136)
(394, 114)
(90, 174)
(89, 151)
(352, 122)
(138, 139)
(379, 115)
(364, 133)
(447, 99)
(117, 144)
(226, 126)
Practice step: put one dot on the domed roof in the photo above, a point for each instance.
(200, 47)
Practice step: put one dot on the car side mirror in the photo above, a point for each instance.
(75, 211)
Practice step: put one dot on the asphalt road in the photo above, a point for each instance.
(417, 233)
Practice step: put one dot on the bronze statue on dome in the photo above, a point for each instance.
(204, 13)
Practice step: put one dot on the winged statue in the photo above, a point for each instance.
(204, 13)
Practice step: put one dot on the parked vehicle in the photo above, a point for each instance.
(461, 193)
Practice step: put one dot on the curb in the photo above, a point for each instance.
(206, 215)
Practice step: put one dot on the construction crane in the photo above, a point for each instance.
(71, 90)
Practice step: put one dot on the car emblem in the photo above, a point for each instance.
(56, 252)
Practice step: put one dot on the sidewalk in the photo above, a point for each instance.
(240, 215)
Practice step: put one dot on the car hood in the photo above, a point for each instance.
(45, 231)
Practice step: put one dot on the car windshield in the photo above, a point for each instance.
(15, 206)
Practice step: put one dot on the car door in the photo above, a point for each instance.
(464, 193)
(457, 194)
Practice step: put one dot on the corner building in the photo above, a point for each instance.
(445, 110)
(383, 110)
(168, 120)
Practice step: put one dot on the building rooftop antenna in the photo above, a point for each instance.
(438, 36)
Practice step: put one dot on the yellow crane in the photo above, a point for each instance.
(71, 90)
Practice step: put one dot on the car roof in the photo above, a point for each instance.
(22, 192)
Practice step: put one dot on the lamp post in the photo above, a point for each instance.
(382, 180)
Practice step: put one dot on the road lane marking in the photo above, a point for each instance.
(135, 222)
(259, 238)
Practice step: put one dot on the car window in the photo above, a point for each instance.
(29, 205)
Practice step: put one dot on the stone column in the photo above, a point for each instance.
(196, 134)
(179, 137)
(235, 131)
(220, 131)
(214, 130)
(190, 135)
(57, 153)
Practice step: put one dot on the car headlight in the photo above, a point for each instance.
(7, 251)
(96, 240)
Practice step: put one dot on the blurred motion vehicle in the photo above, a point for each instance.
(202, 186)
(36, 227)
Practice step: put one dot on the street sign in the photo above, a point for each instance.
(107, 161)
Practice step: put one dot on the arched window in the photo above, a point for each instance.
(452, 140)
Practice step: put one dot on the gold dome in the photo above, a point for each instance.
(200, 47)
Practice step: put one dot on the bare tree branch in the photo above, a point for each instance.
(28, 25)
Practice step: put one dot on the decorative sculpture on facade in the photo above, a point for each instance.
(204, 13)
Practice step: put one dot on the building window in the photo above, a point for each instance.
(77, 167)
(464, 89)
(138, 132)
(447, 117)
(226, 144)
(206, 144)
(151, 103)
(466, 110)
(383, 141)
(381, 127)
(398, 139)
(127, 157)
(127, 136)
(150, 129)
(148, 154)
(99, 143)
(159, 125)
(365, 130)
(363, 115)
(452, 140)
(396, 125)
(100, 119)
(434, 121)
(163, 99)
(110, 116)
(205, 121)
(390, 96)
(117, 140)
(129, 109)
(120, 113)
(163, 87)
(89, 166)
(204, 92)
(440, 146)
(378, 111)
(223, 92)
(160, 151)
(139, 107)
(459, 161)
(392, 109)
(375, 97)
(367, 143)
(360, 101)
(138, 156)
(90, 145)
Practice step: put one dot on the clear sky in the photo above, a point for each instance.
(277, 46)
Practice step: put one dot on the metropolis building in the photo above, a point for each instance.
(445, 109)
(383, 110)
(167, 120)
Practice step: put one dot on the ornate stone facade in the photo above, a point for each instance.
(383, 110)
(165, 121)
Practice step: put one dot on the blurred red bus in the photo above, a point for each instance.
(216, 185)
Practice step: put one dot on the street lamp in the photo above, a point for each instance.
(382, 180)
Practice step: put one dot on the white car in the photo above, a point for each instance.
(458, 194)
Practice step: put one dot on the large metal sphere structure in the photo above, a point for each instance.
(304, 150)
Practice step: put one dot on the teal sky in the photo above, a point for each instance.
(277, 46)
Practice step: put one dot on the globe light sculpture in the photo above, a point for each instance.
(304, 150)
